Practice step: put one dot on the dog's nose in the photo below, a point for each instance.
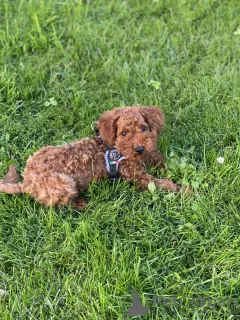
(139, 149)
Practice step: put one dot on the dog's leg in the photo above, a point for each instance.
(11, 188)
(136, 174)
(11, 176)
(9, 183)
(51, 188)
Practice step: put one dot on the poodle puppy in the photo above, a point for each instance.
(125, 140)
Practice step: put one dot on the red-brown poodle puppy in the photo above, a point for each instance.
(126, 139)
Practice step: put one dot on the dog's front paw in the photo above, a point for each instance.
(168, 185)
(185, 189)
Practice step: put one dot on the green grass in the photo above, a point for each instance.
(91, 56)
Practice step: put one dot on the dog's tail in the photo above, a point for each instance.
(9, 183)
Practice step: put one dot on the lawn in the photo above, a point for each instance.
(63, 63)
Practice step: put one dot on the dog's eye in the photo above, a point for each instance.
(123, 134)
(143, 128)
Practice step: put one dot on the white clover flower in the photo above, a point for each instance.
(3, 293)
(220, 160)
(172, 154)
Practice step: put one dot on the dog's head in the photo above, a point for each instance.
(132, 130)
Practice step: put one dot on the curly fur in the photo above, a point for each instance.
(56, 175)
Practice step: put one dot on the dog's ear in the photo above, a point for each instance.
(154, 117)
(107, 126)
